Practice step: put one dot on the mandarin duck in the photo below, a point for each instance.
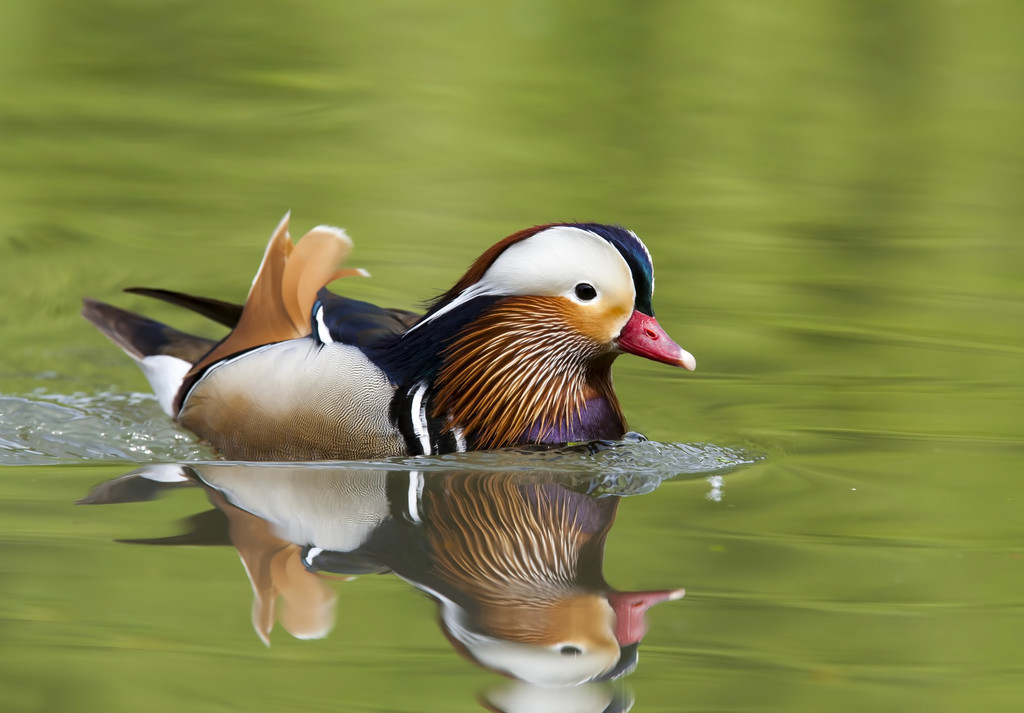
(513, 560)
(518, 352)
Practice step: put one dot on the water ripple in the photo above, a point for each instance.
(43, 429)
(57, 428)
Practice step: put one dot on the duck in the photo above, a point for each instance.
(517, 353)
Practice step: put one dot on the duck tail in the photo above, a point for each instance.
(164, 354)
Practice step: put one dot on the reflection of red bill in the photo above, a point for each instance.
(644, 337)
(630, 607)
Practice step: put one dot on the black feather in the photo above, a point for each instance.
(415, 355)
(141, 336)
(226, 313)
(358, 323)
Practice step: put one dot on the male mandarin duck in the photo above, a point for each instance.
(518, 352)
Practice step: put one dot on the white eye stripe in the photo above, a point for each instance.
(551, 263)
(554, 261)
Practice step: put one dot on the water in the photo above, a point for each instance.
(831, 192)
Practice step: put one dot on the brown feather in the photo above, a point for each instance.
(312, 264)
(284, 291)
(497, 545)
(274, 567)
(523, 362)
(519, 557)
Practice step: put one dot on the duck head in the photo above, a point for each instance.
(522, 345)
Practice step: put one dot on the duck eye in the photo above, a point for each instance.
(570, 650)
(585, 292)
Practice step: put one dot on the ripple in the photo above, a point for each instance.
(632, 466)
(43, 429)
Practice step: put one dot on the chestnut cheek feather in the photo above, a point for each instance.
(525, 364)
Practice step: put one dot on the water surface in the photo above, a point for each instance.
(831, 192)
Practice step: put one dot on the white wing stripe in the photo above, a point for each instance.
(322, 332)
(415, 493)
(418, 410)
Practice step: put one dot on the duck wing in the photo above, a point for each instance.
(338, 319)
(346, 318)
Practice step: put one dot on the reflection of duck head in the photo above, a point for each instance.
(513, 560)
(526, 557)
(564, 644)
(520, 697)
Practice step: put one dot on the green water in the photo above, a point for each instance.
(832, 195)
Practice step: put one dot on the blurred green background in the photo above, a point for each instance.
(831, 190)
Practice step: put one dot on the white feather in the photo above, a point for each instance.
(163, 473)
(549, 263)
(416, 484)
(420, 427)
(322, 332)
(165, 374)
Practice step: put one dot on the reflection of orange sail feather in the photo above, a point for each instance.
(275, 570)
(513, 560)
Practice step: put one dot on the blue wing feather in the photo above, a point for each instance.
(361, 324)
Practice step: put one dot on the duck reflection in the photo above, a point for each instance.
(513, 560)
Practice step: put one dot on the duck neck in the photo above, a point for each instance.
(519, 374)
